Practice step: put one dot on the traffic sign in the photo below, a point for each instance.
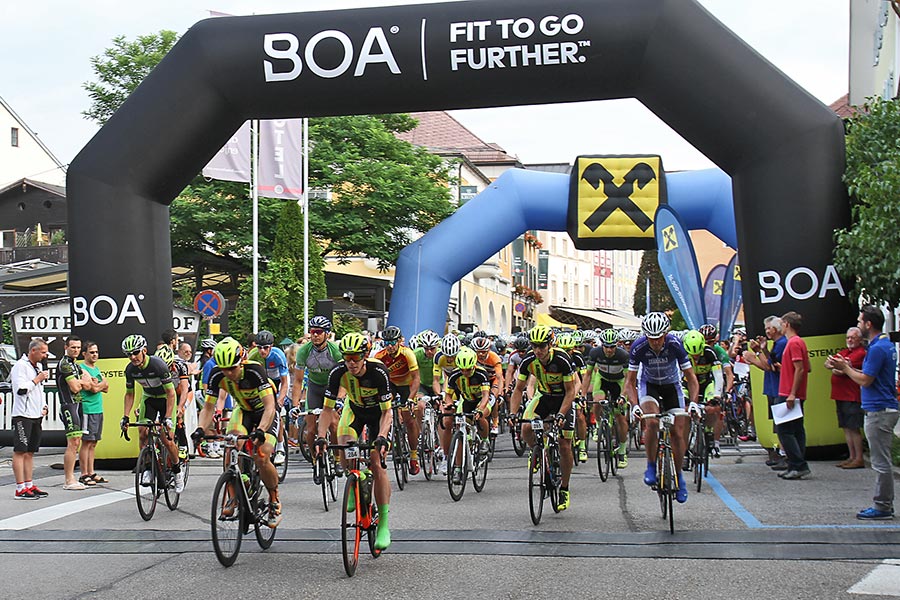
(520, 307)
(209, 303)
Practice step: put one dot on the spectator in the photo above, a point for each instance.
(92, 409)
(71, 381)
(879, 401)
(845, 393)
(792, 389)
(29, 408)
(769, 361)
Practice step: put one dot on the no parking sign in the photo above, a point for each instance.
(209, 303)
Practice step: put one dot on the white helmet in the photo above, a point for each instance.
(450, 345)
(428, 339)
(655, 324)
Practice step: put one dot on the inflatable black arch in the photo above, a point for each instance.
(783, 149)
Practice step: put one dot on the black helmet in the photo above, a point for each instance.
(265, 338)
(521, 343)
(391, 333)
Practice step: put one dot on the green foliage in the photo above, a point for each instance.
(121, 68)
(344, 324)
(660, 298)
(869, 251)
(895, 451)
(58, 238)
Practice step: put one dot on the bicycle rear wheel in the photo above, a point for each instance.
(426, 451)
(480, 468)
(227, 519)
(172, 497)
(399, 434)
(301, 442)
(370, 532)
(671, 487)
(662, 483)
(553, 478)
(322, 469)
(536, 490)
(613, 447)
(146, 494)
(698, 453)
(603, 449)
(283, 438)
(457, 472)
(265, 535)
(351, 530)
(332, 477)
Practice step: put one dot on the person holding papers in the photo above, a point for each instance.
(792, 393)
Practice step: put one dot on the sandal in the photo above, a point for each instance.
(86, 480)
(98, 478)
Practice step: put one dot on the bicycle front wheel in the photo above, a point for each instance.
(536, 490)
(671, 487)
(146, 482)
(553, 478)
(517, 442)
(265, 535)
(283, 438)
(613, 448)
(457, 473)
(322, 468)
(603, 449)
(227, 519)
(351, 530)
(399, 433)
(301, 442)
(426, 451)
(172, 497)
(480, 468)
(332, 477)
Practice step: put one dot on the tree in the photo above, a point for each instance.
(660, 298)
(869, 251)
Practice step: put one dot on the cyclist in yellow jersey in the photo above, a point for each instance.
(254, 412)
(567, 342)
(403, 368)
(468, 390)
(367, 405)
(445, 362)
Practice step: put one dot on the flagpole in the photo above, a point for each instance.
(254, 174)
(305, 130)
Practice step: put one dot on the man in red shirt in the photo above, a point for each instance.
(792, 389)
(845, 393)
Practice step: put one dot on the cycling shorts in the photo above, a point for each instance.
(154, 409)
(72, 418)
(547, 405)
(243, 423)
(668, 395)
(355, 417)
(315, 396)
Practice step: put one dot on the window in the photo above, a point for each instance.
(14, 137)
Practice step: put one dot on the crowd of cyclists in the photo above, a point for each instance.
(328, 391)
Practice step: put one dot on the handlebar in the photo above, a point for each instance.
(363, 446)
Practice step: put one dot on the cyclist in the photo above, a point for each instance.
(468, 390)
(158, 402)
(254, 412)
(445, 361)
(711, 334)
(663, 360)
(521, 347)
(315, 360)
(181, 381)
(403, 368)
(569, 344)
(493, 366)
(555, 382)
(606, 367)
(741, 369)
(367, 404)
(708, 369)
(273, 359)
(425, 356)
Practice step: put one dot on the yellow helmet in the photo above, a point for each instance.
(165, 353)
(228, 353)
(353, 343)
(540, 334)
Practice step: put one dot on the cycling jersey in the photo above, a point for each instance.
(443, 365)
(659, 368)
(578, 362)
(704, 364)
(275, 364)
(550, 378)
(67, 370)
(468, 388)
(492, 366)
(318, 363)
(248, 392)
(372, 390)
(426, 368)
(721, 353)
(610, 368)
(154, 377)
(180, 372)
(516, 358)
(400, 366)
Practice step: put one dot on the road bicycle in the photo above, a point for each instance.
(153, 476)
(544, 468)
(325, 473)
(400, 454)
(737, 424)
(240, 501)
(666, 475)
(469, 453)
(429, 446)
(515, 430)
(283, 435)
(607, 440)
(699, 446)
(582, 404)
(359, 510)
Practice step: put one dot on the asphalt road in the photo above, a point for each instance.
(747, 534)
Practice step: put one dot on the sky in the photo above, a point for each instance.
(46, 47)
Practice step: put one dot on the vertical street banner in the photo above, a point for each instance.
(612, 200)
(678, 264)
(543, 268)
(712, 293)
(281, 159)
(518, 248)
(732, 297)
(232, 162)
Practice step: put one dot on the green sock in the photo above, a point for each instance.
(621, 448)
(383, 532)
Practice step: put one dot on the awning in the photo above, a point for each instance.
(591, 319)
(545, 319)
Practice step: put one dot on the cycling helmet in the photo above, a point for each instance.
(450, 345)
(480, 344)
(578, 337)
(655, 324)
(265, 338)
(694, 342)
(679, 334)
(354, 343)
(739, 331)
(466, 359)
(228, 353)
(479, 334)
(320, 322)
(391, 333)
(540, 334)
(429, 339)
(521, 344)
(165, 353)
(609, 337)
(709, 332)
(133, 343)
(566, 341)
(208, 344)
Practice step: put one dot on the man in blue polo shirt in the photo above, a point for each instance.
(877, 381)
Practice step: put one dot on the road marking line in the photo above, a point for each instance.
(883, 580)
(736, 507)
(51, 513)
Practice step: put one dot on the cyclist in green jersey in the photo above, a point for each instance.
(708, 369)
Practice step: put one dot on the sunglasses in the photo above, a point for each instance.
(316, 331)
(92, 351)
(133, 352)
(354, 358)
(541, 346)
(390, 343)
(266, 347)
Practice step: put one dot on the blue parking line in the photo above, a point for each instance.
(753, 523)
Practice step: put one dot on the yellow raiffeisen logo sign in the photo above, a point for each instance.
(612, 200)
(670, 239)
